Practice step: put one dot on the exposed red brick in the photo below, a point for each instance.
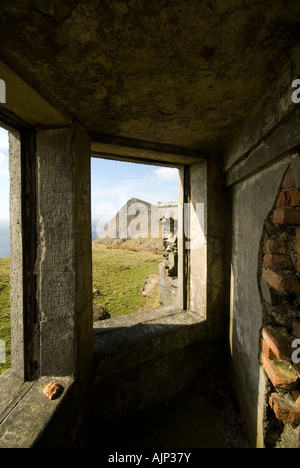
(286, 284)
(288, 181)
(289, 198)
(298, 234)
(281, 373)
(284, 410)
(275, 246)
(278, 262)
(286, 216)
(298, 265)
(297, 367)
(298, 248)
(267, 351)
(272, 278)
(279, 344)
(283, 200)
(295, 197)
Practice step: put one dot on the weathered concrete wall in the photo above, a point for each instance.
(144, 358)
(63, 267)
(274, 105)
(50, 187)
(196, 239)
(16, 254)
(257, 160)
(56, 272)
(251, 203)
(180, 73)
(217, 252)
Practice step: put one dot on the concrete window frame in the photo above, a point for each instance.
(192, 257)
(45, 134)
(25, 411)
(17, 253)
(17, 250)
(164, 349)
(22, 247)
(34, 319)
(178, 330)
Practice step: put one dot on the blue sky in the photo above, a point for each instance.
(113, 184)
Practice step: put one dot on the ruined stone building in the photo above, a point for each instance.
(209, 87)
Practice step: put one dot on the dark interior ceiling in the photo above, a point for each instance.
(173, 72)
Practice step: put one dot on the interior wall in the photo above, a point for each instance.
(196, 239)
(251, 202)
(255, 167)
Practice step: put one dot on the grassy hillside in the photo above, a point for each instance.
(118, 276)
(5, 334)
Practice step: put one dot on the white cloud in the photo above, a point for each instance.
(3, 158)
(4, 170)
(3, 140)
(112, 188)
(105, 211)
(166, 173)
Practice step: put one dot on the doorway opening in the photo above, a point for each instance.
(134, 237)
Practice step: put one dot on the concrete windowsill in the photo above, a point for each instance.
(128, 341)
(25, 411)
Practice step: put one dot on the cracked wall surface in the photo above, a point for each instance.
(168, 72)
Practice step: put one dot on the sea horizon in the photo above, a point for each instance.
(4, 239)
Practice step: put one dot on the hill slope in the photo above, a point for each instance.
(136, 227)
(119, 278)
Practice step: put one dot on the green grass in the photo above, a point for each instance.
(5, 333)
(118, 276)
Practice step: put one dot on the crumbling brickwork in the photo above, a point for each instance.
(280, 288)
(168, 270)
(170, 247)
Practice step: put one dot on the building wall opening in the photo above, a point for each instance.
(5, 324)
(134, 234)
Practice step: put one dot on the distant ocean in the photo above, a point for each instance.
(4, 240)
(94, 231)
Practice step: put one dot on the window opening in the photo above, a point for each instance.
(5, 323)
(134, 234)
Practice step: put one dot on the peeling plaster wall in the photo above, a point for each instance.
(265, 152)
(251, 203)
